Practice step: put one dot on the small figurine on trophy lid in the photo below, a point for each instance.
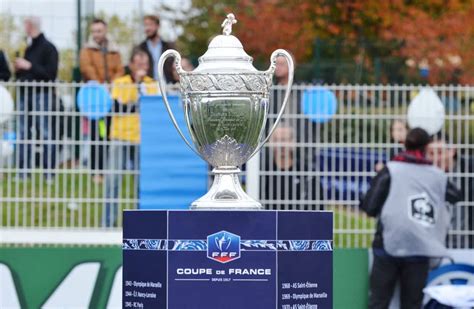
(227, 24)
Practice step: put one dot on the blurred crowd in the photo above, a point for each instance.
(100, 62)
(115, 138)
(416, 168)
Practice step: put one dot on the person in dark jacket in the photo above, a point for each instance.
(4, 69)
(154, 46)
(408, 196)
(452, 160)
(289, 186)
(39, 63)
(398, 132)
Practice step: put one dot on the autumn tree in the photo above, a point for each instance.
(264, 26)
(436, 32)
(200, 23)
(439, 36)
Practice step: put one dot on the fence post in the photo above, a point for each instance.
(252, 185)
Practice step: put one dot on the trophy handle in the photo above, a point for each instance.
(162, 85)
(271, 70)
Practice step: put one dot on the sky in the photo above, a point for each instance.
(59, 16)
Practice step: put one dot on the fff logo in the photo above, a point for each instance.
(223, 247)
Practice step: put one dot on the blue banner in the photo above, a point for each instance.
(227, 259)
(171, 175)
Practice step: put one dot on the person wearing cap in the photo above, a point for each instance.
(408, 197)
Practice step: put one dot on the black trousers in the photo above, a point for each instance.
(99, 149)
(387, 271)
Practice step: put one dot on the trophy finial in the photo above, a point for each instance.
(227, 24)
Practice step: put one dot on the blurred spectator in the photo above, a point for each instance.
(125, 129)
(4, 69)
(186, 65)
(288, 185)
(281, 79)
(100, 58)
(154, 46)
(446, 157)
(39, 63)
(281, 71)
(408, 198)
(296, 131)
(398, 133)
(99, 61)
(305, 129)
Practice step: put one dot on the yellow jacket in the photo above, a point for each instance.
(126, 126)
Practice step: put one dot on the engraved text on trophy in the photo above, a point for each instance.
(226, 129)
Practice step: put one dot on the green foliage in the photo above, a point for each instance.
(202, 23)
(10, 41)
(67, 59)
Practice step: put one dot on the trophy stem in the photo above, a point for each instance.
(226, 193)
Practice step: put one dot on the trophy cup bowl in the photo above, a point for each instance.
(226, 103)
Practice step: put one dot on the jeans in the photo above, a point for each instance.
(122, 156)
(33, 106)
(387, 270)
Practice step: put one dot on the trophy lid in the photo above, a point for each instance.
(225, 52)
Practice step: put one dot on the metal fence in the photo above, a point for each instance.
(56, 169)
(323, 158)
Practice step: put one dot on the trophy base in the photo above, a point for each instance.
(226, 193)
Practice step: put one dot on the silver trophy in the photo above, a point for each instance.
(226, 103)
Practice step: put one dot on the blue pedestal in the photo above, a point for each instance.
(171, 175)
(227, 259)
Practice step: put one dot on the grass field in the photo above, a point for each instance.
(75, 201)
(352, 229)
(72, 200)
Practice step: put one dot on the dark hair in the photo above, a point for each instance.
(392, 125)
(137, 51)
(99, 21)
(417, 139)
(442, 136)
(154, 18)
(446, 139)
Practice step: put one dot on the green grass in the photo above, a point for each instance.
(352, 228)
(73, 199)
(33, 203)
